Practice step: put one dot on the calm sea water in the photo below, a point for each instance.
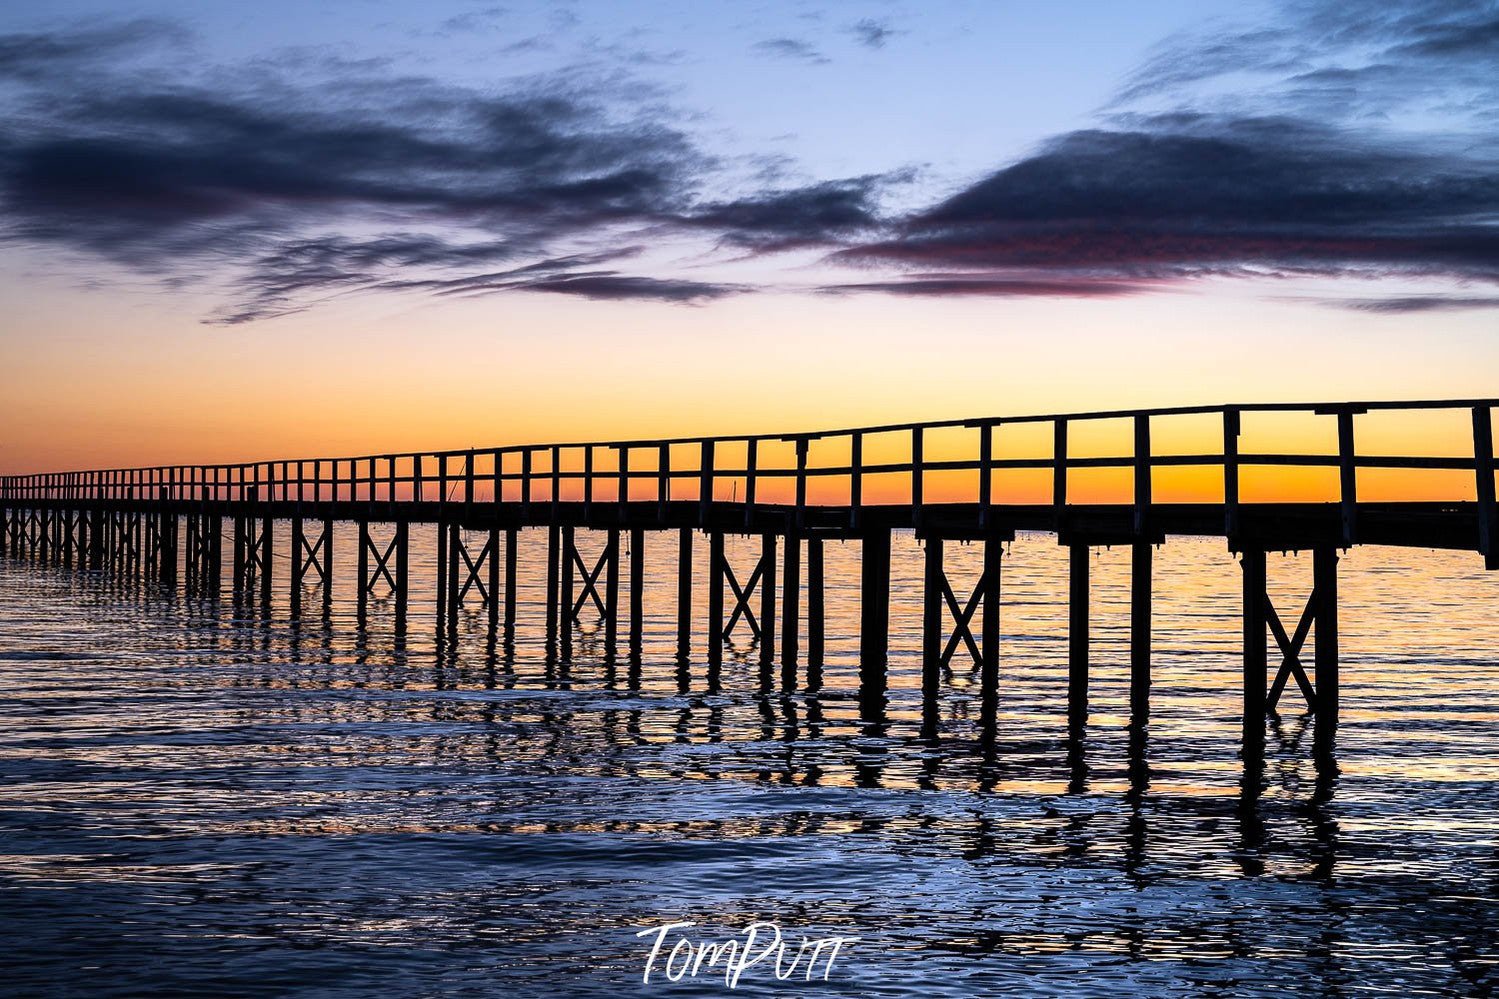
(194, 804)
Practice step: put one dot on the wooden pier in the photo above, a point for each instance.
(166, 524)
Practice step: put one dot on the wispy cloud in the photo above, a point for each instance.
(1338, 60)
(871, 33)
(791, 48)
(1418, 303)
(54, 56)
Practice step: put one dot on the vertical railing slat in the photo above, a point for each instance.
(1231, 431)
(1142, 473)
(705, 481)
(1483, 469)
(1347, 477)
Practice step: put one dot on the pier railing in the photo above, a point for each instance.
(783, 469)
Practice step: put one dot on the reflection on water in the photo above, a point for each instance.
(194, 803)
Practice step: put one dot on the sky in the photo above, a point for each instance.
(247, 231)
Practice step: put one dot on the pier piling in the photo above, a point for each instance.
(1079, 566)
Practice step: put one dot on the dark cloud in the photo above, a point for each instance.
(1282, 176)
(291, 190)
(871, 33)
(1188, 198)
(126, 167)
(275, 181)
(814, 215)
(791, 48)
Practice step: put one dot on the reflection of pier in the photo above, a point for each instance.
(936, 478)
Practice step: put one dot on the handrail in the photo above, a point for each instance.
(463, 475)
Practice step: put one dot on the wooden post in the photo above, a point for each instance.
(493, 600)
(1077, 638)
(933, 612)
(328, 563)
(715, 602)
(1142, 474)
(588, 484)
(663, 484)
(1325, 586)
(986, 471)
(364, 569)
(525, 484)
(767, 600)
(1059, 472)
(801, 482)
(918, 459)
(556, 482)
(137, 537)
(403, 574)
(751, 477)
(239, 558)
(1483, 468)
(856, 481)
(1231, 431)
(1347, 477)
(442, 552)
(1252, 561)
(511, 535)
(455, 591)
(170, 534)
(297, 566)
(815, 622)
(874, 614)
(705, 482)
(989, 671)
(611, 594)
(791, 593)
(194, 565)
(565, 597)
(193, 545)
(1139, 631)
(624, 484)
(468, 485)
(637, 588)
(684, 593)
(554, 565)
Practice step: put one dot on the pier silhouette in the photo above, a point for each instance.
(793, 491)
